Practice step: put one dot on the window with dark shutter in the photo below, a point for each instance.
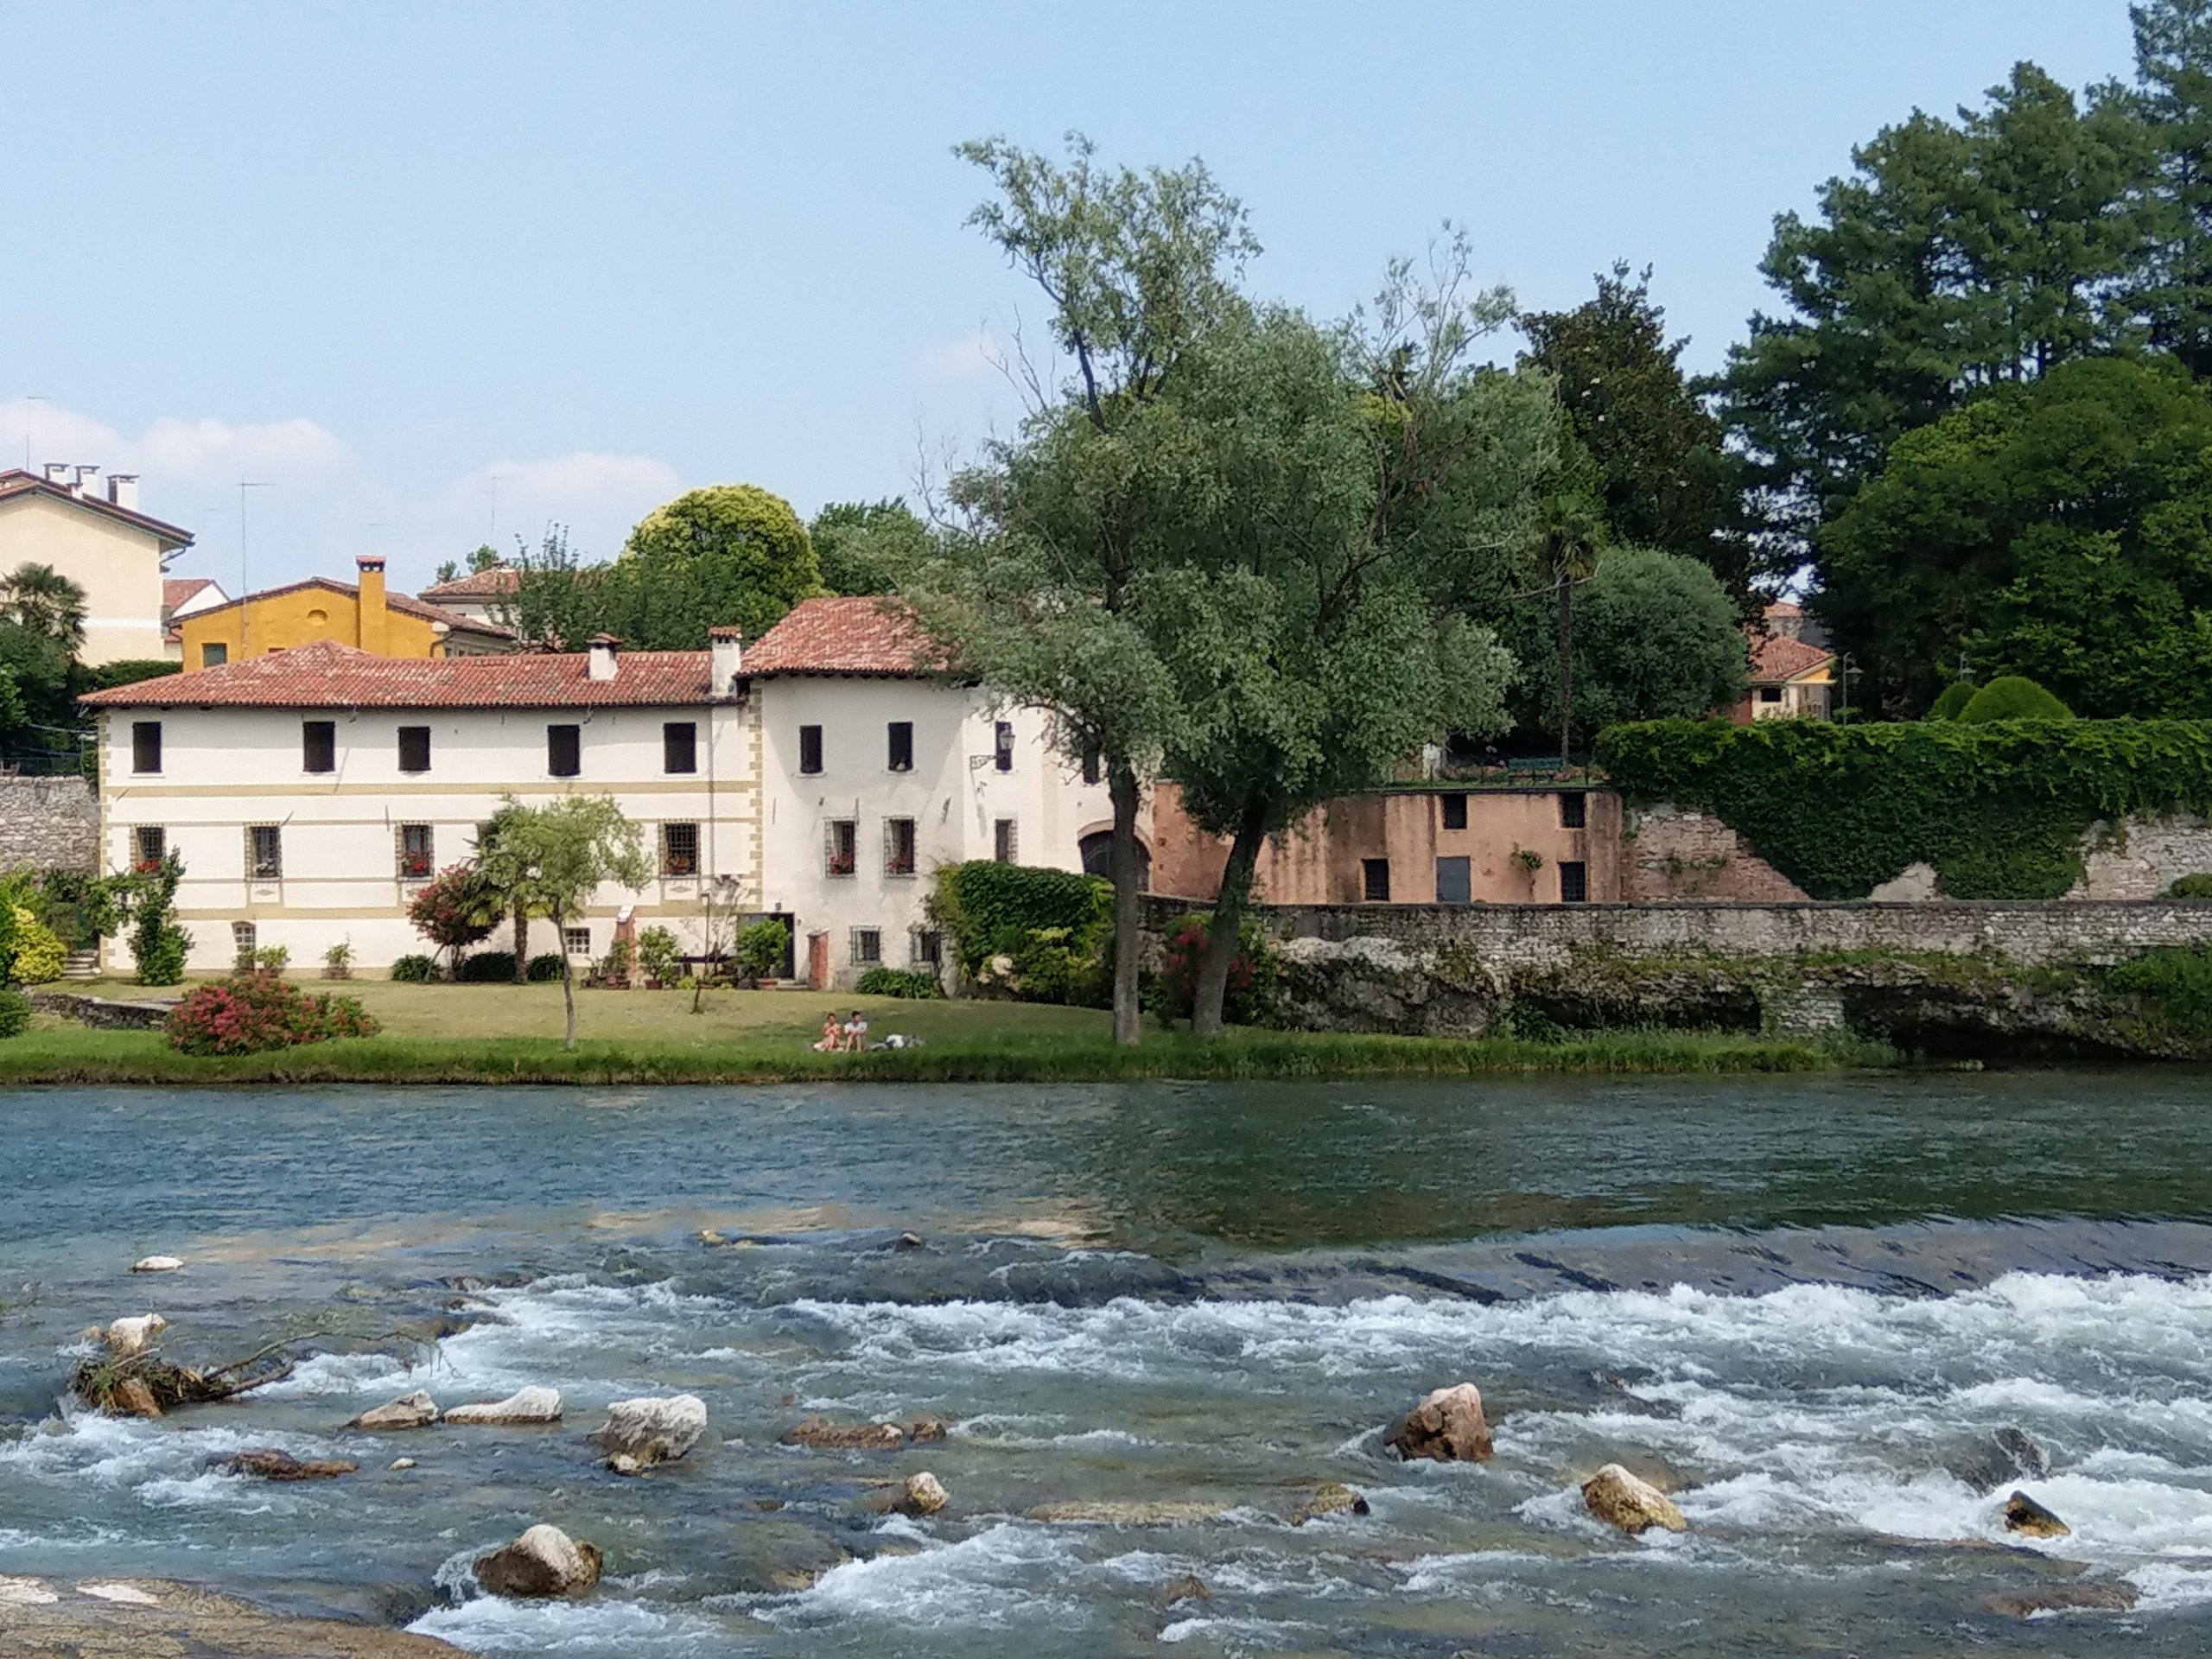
(145, 745)
(842, 854)
(901, 736)
(318, 745)
(1455, 812)
(1005, 841)
(1002, 745)
(810, 749)
(1375, 879)
(679, 849)
(1453, 883)
(1573, 884)
(867, 946)
(926, 947)
(264, 853)
(414, 748)
(1573, 812)
(564, 751)
(679, 746)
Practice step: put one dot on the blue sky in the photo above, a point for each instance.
(423, 268)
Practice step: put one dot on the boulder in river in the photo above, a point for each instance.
(532, 1405)
(2024, 1515)
(1330, 1498)
(1620, 1499)
(157, 1264)
(132, 1335)
(267, 1462)
(825, 1436)
(415, 1410)
(1447, 1425)
(133, 1397)
(923, 1494)
(1184, 1586)
(643, 1432)
(544, 1561)
(2060, 1599)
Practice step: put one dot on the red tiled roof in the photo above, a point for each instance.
(839, 635)
(401, 602)
(176, 590)
(326, 675)
(1777, 658)
(16, 481)
(1783, 608)
(499, 580)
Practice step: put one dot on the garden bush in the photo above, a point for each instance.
(487, 967)
(1042, 935)
(252, 1013)
(2013, 696)
(1953, 700)
(544, 969)
(762, 946)
(2198, 885)
(415, 970)
(898, 982)
(14, 1012)
(1253, 975)
(662, 957)
(2177, 980)
(38, 955)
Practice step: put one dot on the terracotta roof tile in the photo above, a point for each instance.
(499, 580)
(1777, 658)
(326, 675)
(176, 590)
(840, 635)
(406, 604)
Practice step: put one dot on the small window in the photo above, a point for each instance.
(416, 862)
(245, 939)
(898, 846)
(842, 847)
(1455, 812)
(1006, 844)
(564, 751)
(1002, 745)
(576, 941)
(1453, 883)
(145, 745)
(679, 849)
(810, 749)
(679, 746)
(149, 845)
(318, 745)
(214, 654)
(1573, 812)
(926, 947)
(264, 853)
(867, 946)
(1375, 879)
(1573, 884)
(414, 748)
(1770, 694)
(901, 734)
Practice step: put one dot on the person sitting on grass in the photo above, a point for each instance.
(856, 1033)
(832, 1034)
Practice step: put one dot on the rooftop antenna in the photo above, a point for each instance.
(491, 487)
(30, 398)
(245, 587)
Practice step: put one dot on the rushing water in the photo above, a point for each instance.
(1816, 1303)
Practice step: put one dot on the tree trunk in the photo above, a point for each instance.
(1128, 906)
(568, 977)
(522, 943)
(1565, 666)
(1220, 954)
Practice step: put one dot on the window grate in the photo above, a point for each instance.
(679, 849)
(926, 947)
(416, 861)
(1006, 842)
(1375, 879)
(1573, 883)
(149, 845)
(1574, 811)
(264, 853)
(841, 847)
(867, 946)
(898, 846)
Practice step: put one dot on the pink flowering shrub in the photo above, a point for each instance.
(251, 1013)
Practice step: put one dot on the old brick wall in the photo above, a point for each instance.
(50, 823)
(1670, 852)
(2143, 857)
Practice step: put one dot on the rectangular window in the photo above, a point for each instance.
(1005, 843)
(679, 746)
(867, 946)
(901, 737)
(149, 845)
(1573, 812)
(318, 745)
(214, 654)
(1453, 884)
(1455, 812)
(898, 846)
(1375, 879)
(245, 938)
(1573, 884)
(1770, 694)
(416, 862)
(1002, 745)
(576, 941)
(264, 853)
(145, 745)
(842, 847)
(679, 849)
(414, 748)
(926, 947)
(810, 749)
(564, 751)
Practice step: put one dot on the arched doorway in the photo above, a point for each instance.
(1098, 849)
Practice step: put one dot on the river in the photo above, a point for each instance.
(1159, 1314)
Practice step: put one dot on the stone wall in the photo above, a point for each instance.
(2144, 857)
(1671, 852)
(50, 823)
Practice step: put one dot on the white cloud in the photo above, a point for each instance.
(598, 497)
(208, 449)
(964, 358)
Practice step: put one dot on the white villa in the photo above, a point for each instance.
(822, 776)
(100, 541)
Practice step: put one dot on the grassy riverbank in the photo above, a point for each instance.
(500, 1033)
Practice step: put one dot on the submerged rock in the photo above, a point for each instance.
(1168, 1513)
(640, 1432)
(822, 1435)
(157, 1264)
(267, 1462)
(59, 1620)
(927, 1429)
(544, 1561)
(1184, 1586)
(782, 1557)
(1620, 1499)
(2060, 1599)
(532, 1405)
(923, 1494)
(2009, 1455)
(1331, 1498)
(1447, 1425)
(2025, 1451)
(132, 1397)
(415, 1410)
(2024, 1515)
(135, 1334)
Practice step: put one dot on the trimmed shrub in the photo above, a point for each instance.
(14, 1012)
(2013, 696)
(762, 946)
(661, 956)
(39, 954)
(1253, 976)
(543, 969)
(898, 982)
(1953, 700)
(252, 1013)
(415, 970)
(487, 967)
(2198, 885)
(1038, 935)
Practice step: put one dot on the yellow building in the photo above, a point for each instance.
(365, 616)
(100, 541)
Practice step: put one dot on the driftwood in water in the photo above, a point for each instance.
(144, 1384)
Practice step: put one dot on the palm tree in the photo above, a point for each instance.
(41, 599)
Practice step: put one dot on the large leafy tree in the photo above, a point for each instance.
(554, 858)
(732, 554)
(2062, 530)
(865, 547)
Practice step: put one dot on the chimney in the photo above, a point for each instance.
(601, 666)
(726, 652)
(56, 472)
(374, 636)
(123, 491)
(77, 486)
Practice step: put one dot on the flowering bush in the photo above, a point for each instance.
(251, 1013)
(455, 911)
(1252, 972)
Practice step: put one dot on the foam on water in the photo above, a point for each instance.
(489, 1624)
(1004, 1574)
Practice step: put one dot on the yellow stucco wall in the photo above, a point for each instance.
(300, 616)
(119, 567)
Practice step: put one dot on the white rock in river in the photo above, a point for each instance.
(1621, 1499)
(650, 1430)
(157, 1264)
(544, 1561)
(410, 1411)
(131, 1335)
(532, 1405)
(923, 1494)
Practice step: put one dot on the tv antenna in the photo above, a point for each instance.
(30, 398)
(245, 586)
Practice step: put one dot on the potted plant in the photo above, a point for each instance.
(663, 963)
(337, 961)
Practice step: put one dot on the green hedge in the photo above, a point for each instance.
(1041, 935)
(2000, 809)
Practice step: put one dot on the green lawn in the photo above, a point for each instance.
(506, 1033)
